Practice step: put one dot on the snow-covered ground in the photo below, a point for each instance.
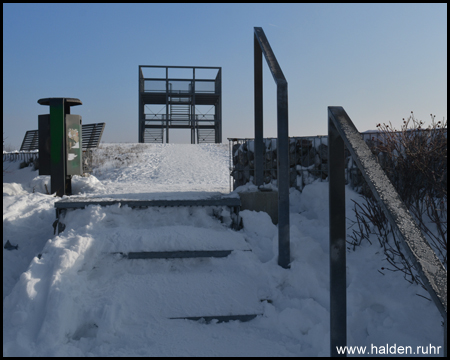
(74, 295)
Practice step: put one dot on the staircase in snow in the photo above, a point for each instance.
(236, 301)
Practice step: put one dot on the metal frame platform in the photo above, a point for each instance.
(179, 97)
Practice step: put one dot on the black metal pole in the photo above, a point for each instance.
(192, 107)
(284, 257)
(259, 144)
(140, 107)
(445, 337)
(167, 105)
(338, 291)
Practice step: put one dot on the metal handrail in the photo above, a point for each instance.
(341, 130)
(182, 91)
(163, 117)
(190, 90)
(261, 46)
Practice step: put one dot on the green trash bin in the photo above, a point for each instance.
(60, 144)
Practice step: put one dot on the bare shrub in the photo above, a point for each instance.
(415, 161)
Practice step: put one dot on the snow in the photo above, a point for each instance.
(75, 294)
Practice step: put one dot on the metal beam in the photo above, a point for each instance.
(167, 104)
(219, 318)
(259, 129)
(218, 107)
(274, 67)
(192, 112)
(179, 67)
(178, 254)
(338, 288)
(283, 175)
(141, 115)
(177, 79)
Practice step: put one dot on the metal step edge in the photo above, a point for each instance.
(82, 202)
(219, 318)
(178, 254)
(181, 254)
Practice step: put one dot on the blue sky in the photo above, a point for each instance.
(378, 61)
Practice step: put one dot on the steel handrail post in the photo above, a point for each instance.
(258, 72)
(336, 198)
(261, 45)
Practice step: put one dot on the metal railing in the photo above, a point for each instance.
(20, 155)
(342, 131)
(180, 86)
(261, 46)
(164, 117)
(27, 156)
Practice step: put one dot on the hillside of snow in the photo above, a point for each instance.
(75, 294)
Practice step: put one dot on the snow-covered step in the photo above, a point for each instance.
(71, 203)
(190, 289)
(82, 202)
(194, 267)
(177, 242)
(189, 273)
(176, 238)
